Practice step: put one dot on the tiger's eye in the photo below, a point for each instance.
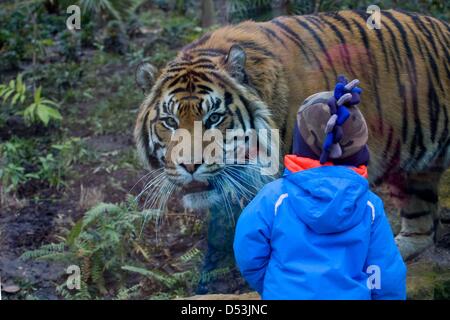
(214, 117)
(171, 122)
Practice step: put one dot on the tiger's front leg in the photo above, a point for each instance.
(419, 214)
(219, 273)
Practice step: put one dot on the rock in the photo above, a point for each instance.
(11, 289)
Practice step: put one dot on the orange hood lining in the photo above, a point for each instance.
(296, 163)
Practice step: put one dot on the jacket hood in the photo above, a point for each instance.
(328, 199)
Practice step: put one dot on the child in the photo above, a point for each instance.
(318, 232)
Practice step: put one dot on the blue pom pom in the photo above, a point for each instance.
(355, 99)
(324, 156)
(343, 114)
(357, 90)
(326, 147)
(342, 79)
(339, 90)
(328, 141)
(332, 105)
(338, 133)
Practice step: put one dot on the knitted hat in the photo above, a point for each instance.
(330, 127)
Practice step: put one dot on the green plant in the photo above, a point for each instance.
(107, 245)
(23, 160)
(162, 54)
(13, 41)
(115, 112)
(50, 170)
(12, 176)
(180, 30)
(45, 251)
(13, 159)
(191, 255)
(41, 109)
(129, 293)
(54, 166)
(136, 56)
(71, 151)
(70, 44)
(100, 243)
(58, 78)
(243, 9)
(115, 9)
(15, 91)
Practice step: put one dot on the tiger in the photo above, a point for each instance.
(255, 75)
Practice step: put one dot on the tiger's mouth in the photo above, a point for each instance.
(197, 186)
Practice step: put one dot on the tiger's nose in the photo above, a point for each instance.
(191, 168)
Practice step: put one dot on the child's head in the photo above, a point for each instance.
(348, 140)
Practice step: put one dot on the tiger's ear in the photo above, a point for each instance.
(145, 76)
(235, 63)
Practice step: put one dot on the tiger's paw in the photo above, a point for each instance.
(411, 246)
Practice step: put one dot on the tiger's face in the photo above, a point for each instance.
(194, 103)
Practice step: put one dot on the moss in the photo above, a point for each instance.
(442, 291)
(427, 281)
(444, 190)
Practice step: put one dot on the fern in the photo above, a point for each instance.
(128, 293)
(114, 9)
(82, 294)
(106, 244)
(214, 274)
(100, 243)
(193, 254)
(85, 268)
(98, 211)
(242, 9)
(74, 233)
(96, 273)
(166, 280)
(45, 251)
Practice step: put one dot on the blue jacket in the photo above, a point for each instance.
(319, 234)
